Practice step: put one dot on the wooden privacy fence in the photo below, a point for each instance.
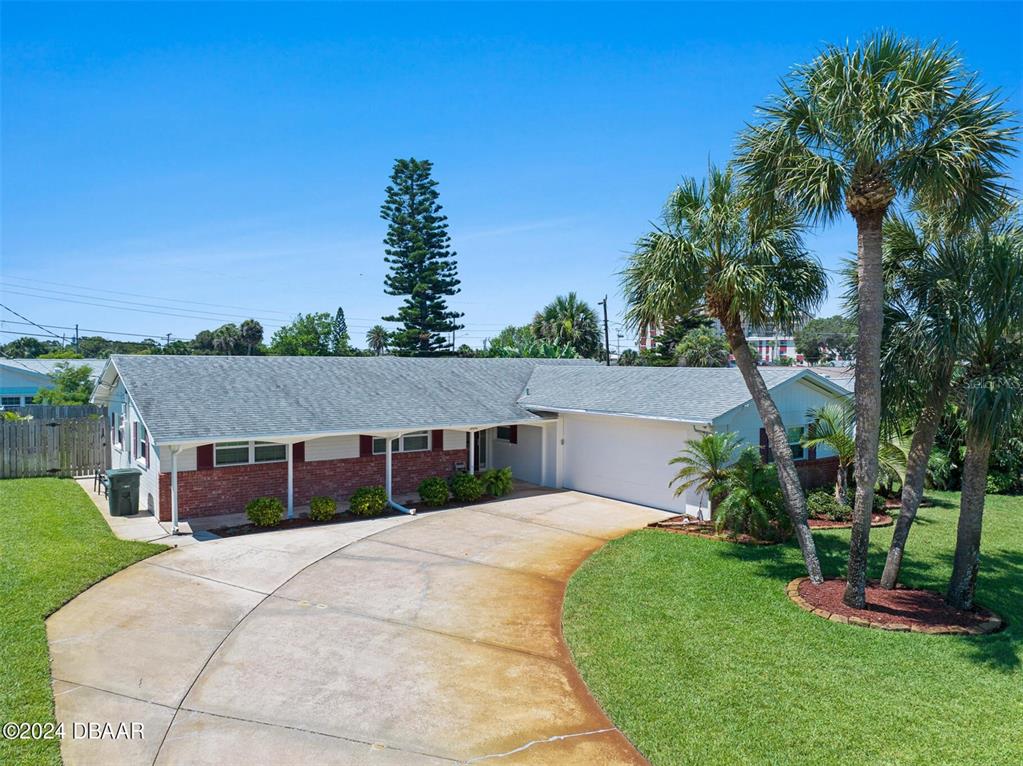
(37, 447)
(59, 411)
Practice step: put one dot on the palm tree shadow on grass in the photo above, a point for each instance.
(1001, 572)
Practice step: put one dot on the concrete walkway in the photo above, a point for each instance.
(404, 640)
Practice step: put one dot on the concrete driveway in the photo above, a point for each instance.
(432, 639)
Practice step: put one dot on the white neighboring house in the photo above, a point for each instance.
(21, 379)
(212, 433)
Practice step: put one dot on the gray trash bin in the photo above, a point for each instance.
(124, 491)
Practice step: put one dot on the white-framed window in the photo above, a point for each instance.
(504, 433)
(795, 438)
(10, 401)
(415, 441)
(243, 453)
(143, 446)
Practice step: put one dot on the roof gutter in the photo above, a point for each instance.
(608, 414)
(298, 437)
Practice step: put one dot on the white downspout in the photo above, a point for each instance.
(387, 478)
(174, 489)
(291, 481)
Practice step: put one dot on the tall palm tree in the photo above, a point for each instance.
(859, 128)
(377, 338)
(928, 273)
(569, 321)
(705, 464)
(251, 334)
(226, 339)
(992, 396)
(832, 426)
(711, 254)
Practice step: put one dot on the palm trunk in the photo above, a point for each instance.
(971, 515)
(840, 492)
(868, 400)
(916, 471)
(792, 490)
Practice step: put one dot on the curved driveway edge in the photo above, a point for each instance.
(388, 641)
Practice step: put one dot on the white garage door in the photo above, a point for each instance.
(627, 459)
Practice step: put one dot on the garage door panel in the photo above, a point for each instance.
(626, 459)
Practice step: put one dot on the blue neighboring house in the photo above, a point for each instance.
(21, 379)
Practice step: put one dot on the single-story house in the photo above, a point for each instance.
(21, 379)
(211, 433)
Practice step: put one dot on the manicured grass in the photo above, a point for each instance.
(695, 652)
(53, 545)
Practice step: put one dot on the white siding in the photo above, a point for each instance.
(627, 459)
(149, 482)
(332, 448)
(523, 457)
(454, 440)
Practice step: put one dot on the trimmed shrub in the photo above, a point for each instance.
(879, 504)
(368, 501)
(433, 491)
(322, 508)
(265, 511)
(497, 482)
(822, 504)
(466, 487)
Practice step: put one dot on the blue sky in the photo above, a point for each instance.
(235, 156)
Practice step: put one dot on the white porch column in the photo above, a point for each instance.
(472, 452)
(387, 469)
(291, 481)
(174, 490)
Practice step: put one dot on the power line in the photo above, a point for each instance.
(152, 297)
(30, 321)
(105, 332)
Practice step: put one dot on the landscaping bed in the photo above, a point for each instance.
(684, 525)
(913, 609)
(296, 523)
(876, 520)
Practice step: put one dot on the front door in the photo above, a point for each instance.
(480, 448)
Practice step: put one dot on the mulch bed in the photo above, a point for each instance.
(684, 525)
(296, 523)
(902, 609)
(876, 520)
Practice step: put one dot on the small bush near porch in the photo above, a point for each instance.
(53, 545)
(696, 653)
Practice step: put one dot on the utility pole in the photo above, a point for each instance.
(607, 337)
(168, 341)
(76, 337)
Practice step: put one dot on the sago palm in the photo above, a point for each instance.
(569, 321)
(857, 129)
(712, 255)
(705, 464)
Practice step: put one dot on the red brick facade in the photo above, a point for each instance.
(226, 490)
(818, 472)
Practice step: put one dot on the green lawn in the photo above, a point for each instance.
(53, 545)
(695, 652)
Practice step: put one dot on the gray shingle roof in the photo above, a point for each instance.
(689, 394)
(192, 398)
